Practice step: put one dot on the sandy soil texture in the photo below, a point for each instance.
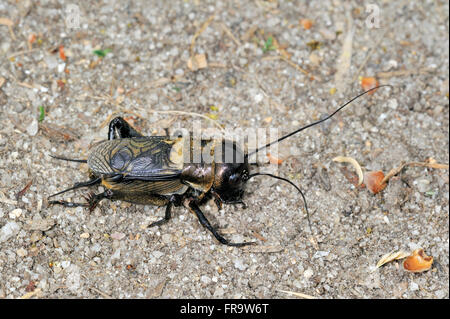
(66, 69)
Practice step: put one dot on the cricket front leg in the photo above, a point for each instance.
(119, 128)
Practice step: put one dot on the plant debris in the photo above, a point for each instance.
(58, 133)
(391, 257)
(62, 55)
(41, 113)
(298, 294)
(314, 45)
(24, 190)
(418, 261)
(369, 83)
(196, 62)
(274, 160)
(374, 181)
(306, 23)
(268, 45)
(430, 162)
(102, 53)
(344, 159)
(7, 22)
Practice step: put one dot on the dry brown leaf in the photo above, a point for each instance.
(2, 81)
(391, 257)
(345, 159)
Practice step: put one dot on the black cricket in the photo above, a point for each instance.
(149, 171)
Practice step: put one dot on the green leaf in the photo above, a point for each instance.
(41, 113)
(268, 45)
(102, 53)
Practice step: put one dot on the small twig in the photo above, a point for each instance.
(230, 35)
(298, 294)
(372, 50)
(397, 170)
(280, 57)
(100, 293)
(26, 52)
(391, 74)
(258, 235)
(197, 34)
(23, 191)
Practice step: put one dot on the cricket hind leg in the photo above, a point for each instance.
(119, 128)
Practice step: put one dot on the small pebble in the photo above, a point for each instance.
(15, 213)
(8, 230)
(33, 128)
(239, 264)
(308, 273)
(22, 252)
(117, 236)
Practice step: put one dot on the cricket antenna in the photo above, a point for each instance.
(315, 123)
(296, 187)
(69, 159)
(79, 185)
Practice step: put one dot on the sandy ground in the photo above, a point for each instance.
(248, 81)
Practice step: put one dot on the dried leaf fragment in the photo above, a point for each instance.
(62, 55)
(391, 257)
(374, 181)
(274, 160)
(306, 23)
(196, 62)
(31, 38)
(368, 83)
(418, 261)
(345, 159)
